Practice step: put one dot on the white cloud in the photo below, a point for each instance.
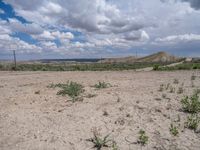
(29, 28)
(9, 43)
(179, 38)
(104, 24)
(98, 16)
(63, 35)
(46, 35)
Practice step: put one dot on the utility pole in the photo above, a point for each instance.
(136, 54)
(15, 62)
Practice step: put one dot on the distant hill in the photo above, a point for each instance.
(157, 57)
(129, 59)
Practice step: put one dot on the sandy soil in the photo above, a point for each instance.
(46, 121)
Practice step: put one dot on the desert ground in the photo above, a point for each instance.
(34, 117)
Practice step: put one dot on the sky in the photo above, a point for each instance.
(42, 29)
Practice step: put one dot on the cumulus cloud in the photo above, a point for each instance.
(97, 16)
(136, 36)
(29, 28)
(63, 35)
(103, 24)
(9, 43)
(52, 35)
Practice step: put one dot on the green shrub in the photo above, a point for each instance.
(71, 89)
(192, 122)
(156, 67)
(143, 138)
(173, 130)
(99, 142)
(114, 146)
(191, 104)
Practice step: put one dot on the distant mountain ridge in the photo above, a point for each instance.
(157, 57)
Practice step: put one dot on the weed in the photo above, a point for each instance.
(102, 85)
(143, 138)
(99, 142)
(191, 104)
(114, 146)
(173, 130)
(156, 67)
(176, 81)
(71, 89)
(192, 122)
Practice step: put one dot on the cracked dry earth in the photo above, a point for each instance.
(33, 117)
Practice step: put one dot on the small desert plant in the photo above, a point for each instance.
(99, 142)
(180, 90)
(191, 104)
(143, 138)
(72, 89)
(173, 130)
(192, 122)
(114, 146)
(102, 85)
(176, 81)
